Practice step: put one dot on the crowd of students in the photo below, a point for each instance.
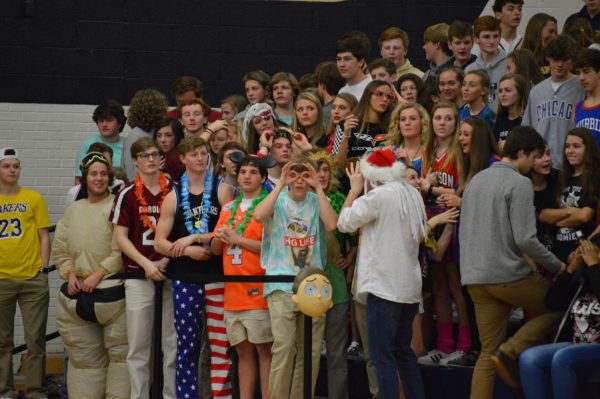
(461, 193)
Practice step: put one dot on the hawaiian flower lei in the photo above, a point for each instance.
(201, 226)
(139, 196)
(249, 212)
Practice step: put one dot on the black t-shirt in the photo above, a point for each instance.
(505, 125)
(323, 141)
(372, 136)
(183, 266)
(574, 196)
(547, 199)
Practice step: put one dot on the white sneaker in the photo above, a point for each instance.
(453, 356)
(516, 316)
(354, 349)
(432, 358)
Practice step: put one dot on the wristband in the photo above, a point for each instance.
(430, 190)
(209, 130)
(210, 242)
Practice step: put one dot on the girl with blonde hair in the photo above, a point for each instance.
(409, 130)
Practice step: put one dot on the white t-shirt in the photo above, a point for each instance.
(357, 89)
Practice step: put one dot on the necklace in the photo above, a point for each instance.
(139, 196)
(415, 153)
(441, 155)
(249, 212)
(199, 226)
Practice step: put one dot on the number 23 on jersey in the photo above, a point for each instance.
(10, 228)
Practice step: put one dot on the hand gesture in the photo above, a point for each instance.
(73, 288)
(449, 200)
(402, 155)
(574, 261)
(310, 176)
(288, 176)
(218, 234)
(343, 262)
(228, 235)
(357, 180)
(431, 178)
(153, 271)
(589, 253)
(181, 244)
(449, 216)
(299, 140)
(218, 125)
(266, 138)
(399, 98)
(350, 123)
(197, 252)
(92, 281)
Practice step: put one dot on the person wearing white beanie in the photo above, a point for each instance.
(259, 118)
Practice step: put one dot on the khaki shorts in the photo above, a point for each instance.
(252, 325)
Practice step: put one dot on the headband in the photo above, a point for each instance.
(92, 157)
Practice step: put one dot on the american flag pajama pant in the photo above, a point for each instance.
(220, 363)
(189, 299)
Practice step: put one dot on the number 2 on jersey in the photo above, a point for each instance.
(146, 240)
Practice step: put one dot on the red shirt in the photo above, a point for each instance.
(126, 212)
(173, 165)
(447, 175)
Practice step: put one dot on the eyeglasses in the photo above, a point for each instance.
(147, 155)
(379, 94)
(92, 157)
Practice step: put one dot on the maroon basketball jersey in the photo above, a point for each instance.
(126, 212)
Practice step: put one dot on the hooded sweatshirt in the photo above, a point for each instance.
(407, 67)
(495, 70)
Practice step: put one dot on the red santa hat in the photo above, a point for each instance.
(381, 165)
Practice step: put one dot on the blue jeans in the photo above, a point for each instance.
(389, 331)
(562, 362)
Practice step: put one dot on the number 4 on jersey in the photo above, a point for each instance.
(235, 251)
